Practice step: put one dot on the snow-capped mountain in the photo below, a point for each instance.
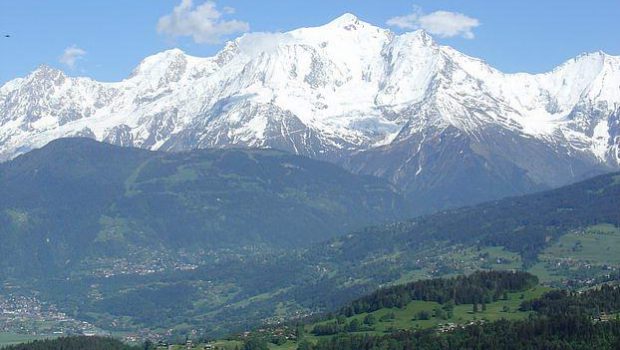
(446, 127)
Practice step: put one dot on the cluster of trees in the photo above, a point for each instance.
(478, 288)
(562, 320)
(591, 303)
(340, 325)
(256, 344)
(78, 343)
(573, 332)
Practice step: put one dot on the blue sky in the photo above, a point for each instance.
(107, 39)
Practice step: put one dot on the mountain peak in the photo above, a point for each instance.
(44, 69)
(346, 21)
(48, 74)
(592, 62)
(167, 55)
(604, 56)
(593, 55)
(174, 52)
(159, 63)
(345, 18)
(422, 36)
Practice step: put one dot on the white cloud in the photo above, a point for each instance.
(71, 55)
(441, 23)
(204, 23)
(229, 10)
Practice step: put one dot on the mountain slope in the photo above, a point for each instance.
(398, 106)
(77, 198)
(568, 237)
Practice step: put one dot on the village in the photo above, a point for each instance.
(29, 316)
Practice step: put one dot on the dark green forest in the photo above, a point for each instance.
(590, 303)
(479, 287)
(75, 343)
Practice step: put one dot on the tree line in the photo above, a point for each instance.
(478, 288)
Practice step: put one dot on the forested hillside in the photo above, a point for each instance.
(560, 320)
(511, 312)
(568, 237)
(77, 199)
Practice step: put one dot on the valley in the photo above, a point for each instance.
(225, 289)
(309, 182)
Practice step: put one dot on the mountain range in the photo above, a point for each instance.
(446, 128)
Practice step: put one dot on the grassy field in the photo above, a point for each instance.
(578, 255)
(598, 244)
(406, 318)
(581, 255)
(460, 260)
(13, 338)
